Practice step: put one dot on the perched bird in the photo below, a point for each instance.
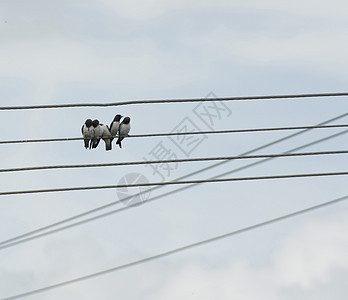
(115, 124)
(123, 130)
(106, 136)
(98, 132)
(88, 133)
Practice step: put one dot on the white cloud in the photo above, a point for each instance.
(235, 281)
(306, 259)
(46, 52)
(310, 48)
(48, 62)
(142, 10)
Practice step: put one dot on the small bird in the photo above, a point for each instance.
(106, 136)
(98, 132)
(88, 133)
(123, 130)
(115, 124)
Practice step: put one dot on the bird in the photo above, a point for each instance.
(123, 130)
(88, 133)
(98, 132)
(115, 124)
(106, 136)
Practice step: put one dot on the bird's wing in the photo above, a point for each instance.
(106, 131)
(120, 127)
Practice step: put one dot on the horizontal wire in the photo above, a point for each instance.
(180, 249)
(183, 160)
(181, 133)
(30, 235)
(122, 103)
(101, 187)
(41, 140)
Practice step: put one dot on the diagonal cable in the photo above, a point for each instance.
(31, 235)
(177, 250)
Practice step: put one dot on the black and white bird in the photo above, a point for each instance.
(115, 124)
(106, 136)
(98, 132)
(123, 130)
(88, 133)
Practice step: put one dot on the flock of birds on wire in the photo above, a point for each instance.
(93, 131)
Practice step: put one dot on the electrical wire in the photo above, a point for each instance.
(180, 249)
(70, 139)
(28, 236)
(219, 99)
(183, 160)
(130, 185)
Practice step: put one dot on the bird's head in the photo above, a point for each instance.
(117, 118)
(126, 120)
(95, 123)
(88, 123)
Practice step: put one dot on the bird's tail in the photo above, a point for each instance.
(86, 143)
(95, 143)
(107, 144)
(119, 141)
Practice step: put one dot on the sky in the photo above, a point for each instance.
(57, 52)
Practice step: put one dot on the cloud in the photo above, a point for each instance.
(309, 48)
(140, 10)
(305, 260)
(65, 48)
(308, 257)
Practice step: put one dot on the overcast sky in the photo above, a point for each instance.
(55, 52)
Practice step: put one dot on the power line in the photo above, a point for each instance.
(309, 127)
(180, 133)
(102, 187)
(183, 160)
(28, 236)
(42, 140)
(122, 103)
(180, 249)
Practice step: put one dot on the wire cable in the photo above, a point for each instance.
(116, 186)
(122, 103)
(31, 235)
(183, 160)
(180, 249)
(70, 139)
